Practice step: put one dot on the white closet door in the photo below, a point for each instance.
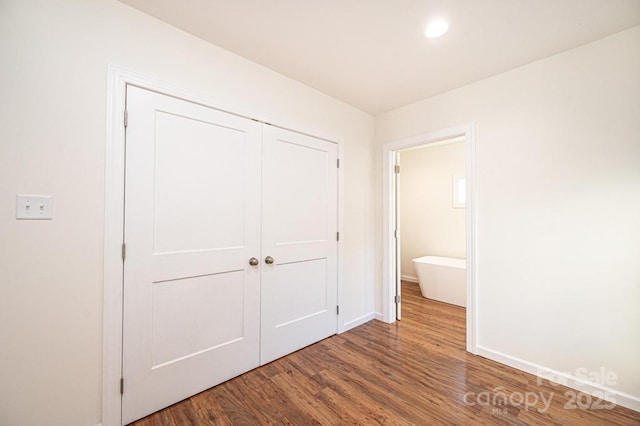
(299, 226)
(192, 222)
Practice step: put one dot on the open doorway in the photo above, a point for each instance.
(453, 255)
(430, 205)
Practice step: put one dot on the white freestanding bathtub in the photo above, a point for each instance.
(443, 279)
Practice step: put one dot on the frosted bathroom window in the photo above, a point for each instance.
(459, 192)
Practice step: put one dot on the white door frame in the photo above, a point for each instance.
(118, 79)
(397, 233)
(388, 218)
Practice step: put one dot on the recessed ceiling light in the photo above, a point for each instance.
(436, 28)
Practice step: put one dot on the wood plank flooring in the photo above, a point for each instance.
(414, 372)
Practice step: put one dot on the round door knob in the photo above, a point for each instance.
(253, 261)
(269, 260)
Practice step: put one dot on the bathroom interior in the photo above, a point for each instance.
(432, 217)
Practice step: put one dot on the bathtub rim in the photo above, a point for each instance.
(450, 262)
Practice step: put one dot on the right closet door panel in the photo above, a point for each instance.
(299, 242)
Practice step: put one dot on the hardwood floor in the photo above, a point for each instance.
(413, 372)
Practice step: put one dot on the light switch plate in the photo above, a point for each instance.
(36, 207)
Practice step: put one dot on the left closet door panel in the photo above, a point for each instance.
(192, 222)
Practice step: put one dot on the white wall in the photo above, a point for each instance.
(558, 205)
(52, 141)
(429, 224)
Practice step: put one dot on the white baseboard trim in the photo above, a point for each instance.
(378, 316)
(600, 391)
(358, 321)
(409, 278)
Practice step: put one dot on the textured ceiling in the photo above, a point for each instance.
(372, 53)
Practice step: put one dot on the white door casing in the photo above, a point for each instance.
(398, 236)
(192, 221)
(299, 231)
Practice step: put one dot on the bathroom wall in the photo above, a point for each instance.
(429, 225)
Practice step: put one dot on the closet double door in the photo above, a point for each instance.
(231, 252)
